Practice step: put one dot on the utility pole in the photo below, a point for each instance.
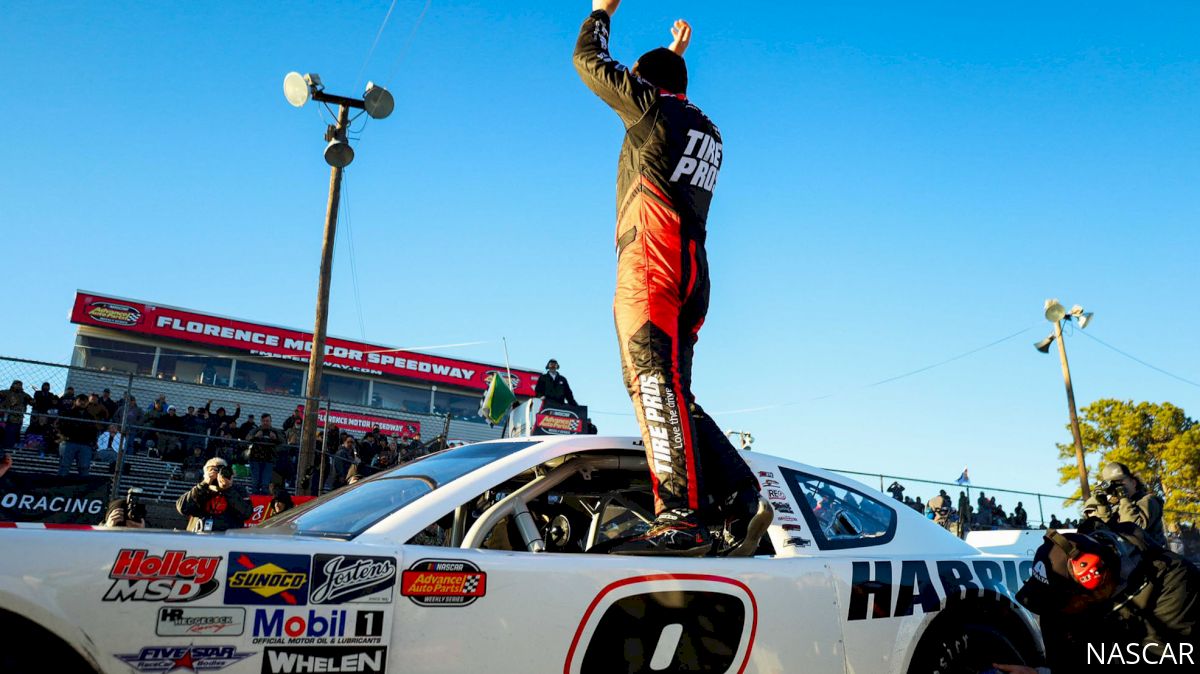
(377, 103)
(1056, 314)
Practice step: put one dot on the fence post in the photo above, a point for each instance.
(1041, 514)
(881, 482)
(119, 465)
(320, 451)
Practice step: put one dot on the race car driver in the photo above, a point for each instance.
(667, 171)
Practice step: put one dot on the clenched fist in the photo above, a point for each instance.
(681, 36)
(609, 6)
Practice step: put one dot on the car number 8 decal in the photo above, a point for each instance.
(666, 623)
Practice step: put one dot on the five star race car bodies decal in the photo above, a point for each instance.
(443, 582)
(666, 623)
(194, 658)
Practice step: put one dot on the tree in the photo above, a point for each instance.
(1158, 442)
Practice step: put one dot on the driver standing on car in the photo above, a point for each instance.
(216, 504)
(667, 172)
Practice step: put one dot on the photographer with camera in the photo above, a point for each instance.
(1122, 491)
(1109, 597)
(126, 512)
(216, 504)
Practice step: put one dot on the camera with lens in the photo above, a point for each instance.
(134, 508)
(1109, 491)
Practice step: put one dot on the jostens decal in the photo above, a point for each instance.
(179, 621)
(173, 576)
(443, 582)
(304, 659)
(341, 579)
(263, 578)
(194, 658)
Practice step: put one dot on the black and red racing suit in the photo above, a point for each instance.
(666, 174)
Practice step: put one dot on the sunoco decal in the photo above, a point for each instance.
(178, 621)
(304, 659)
(195, 658)
(172, 577)
(290, 627)
(442, 582)
(341, 579)
(114, 314)
(272, 579)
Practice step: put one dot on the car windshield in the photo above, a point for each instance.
(347, 512)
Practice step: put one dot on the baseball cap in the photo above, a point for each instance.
(172, 408)
(1051, 586)
(1115, 471)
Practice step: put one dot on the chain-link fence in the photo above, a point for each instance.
(157, 433)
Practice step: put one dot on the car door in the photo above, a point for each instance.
(471, 610)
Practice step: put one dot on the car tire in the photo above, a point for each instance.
(964, 648)
(29, 649)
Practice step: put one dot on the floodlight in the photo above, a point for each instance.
(377, 101)
(338, 153)
(1054, 311)
(1084, 319)
(296, 88)
(1044, 345)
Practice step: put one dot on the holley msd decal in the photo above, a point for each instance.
(173, 576)
(443, 582)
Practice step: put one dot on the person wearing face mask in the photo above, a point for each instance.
(553, 387)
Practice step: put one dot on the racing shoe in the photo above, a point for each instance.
(674, 532)
(738, 511)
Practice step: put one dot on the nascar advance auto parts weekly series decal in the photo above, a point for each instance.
(443, 582)
(684, 622)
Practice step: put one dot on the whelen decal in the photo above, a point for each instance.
(341, 579)
(113, 313)
(173, 576)
(271, 579)
(305, 659)
(179, 621)
(194, 658)
(675, 622)
(443, 582)
(915, 586)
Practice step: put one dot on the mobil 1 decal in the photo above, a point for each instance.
(171, 576)
(317, 626)
(443, 582)
(886, 589)
(259, 578)
(308, 659)
(666, 623)
(343, 579)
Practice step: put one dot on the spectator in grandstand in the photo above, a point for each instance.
(294, 419)
(67, 401)
(109, 444)
(110, 405)
(245, 428)
(78, 431)
(918, 506)
(216, 503)
(553, 387)
(384, 460)
(169, 426)
(219, 417)
(13, 403)
(343, 460)
(194, 428)
(896, 490)
(264, 442)
(193, 466)
(128, 410)
(156, 410)
(983, 514)
(1020, 518)
(96, 409)
(1054, 523)
(44, 400)
(41, 436)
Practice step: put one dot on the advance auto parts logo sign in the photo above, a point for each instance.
(443, 582)
(114, 314)
(173, 576)
(274, 580)
(339, 579)
(559, 422)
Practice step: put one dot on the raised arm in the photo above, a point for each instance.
(628, 95)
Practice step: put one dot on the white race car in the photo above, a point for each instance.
(477, 559)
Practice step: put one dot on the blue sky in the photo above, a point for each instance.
(902, 184)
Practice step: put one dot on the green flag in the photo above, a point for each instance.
(497, 400)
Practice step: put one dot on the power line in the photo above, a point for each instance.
(378, 34)
(408, 41)
(349, 238)
(1139, 361)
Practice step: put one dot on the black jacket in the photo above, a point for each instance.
(227, 509)
(555, 390)
(75, 425)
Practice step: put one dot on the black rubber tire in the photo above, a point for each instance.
(964, 649)
(29, 649)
